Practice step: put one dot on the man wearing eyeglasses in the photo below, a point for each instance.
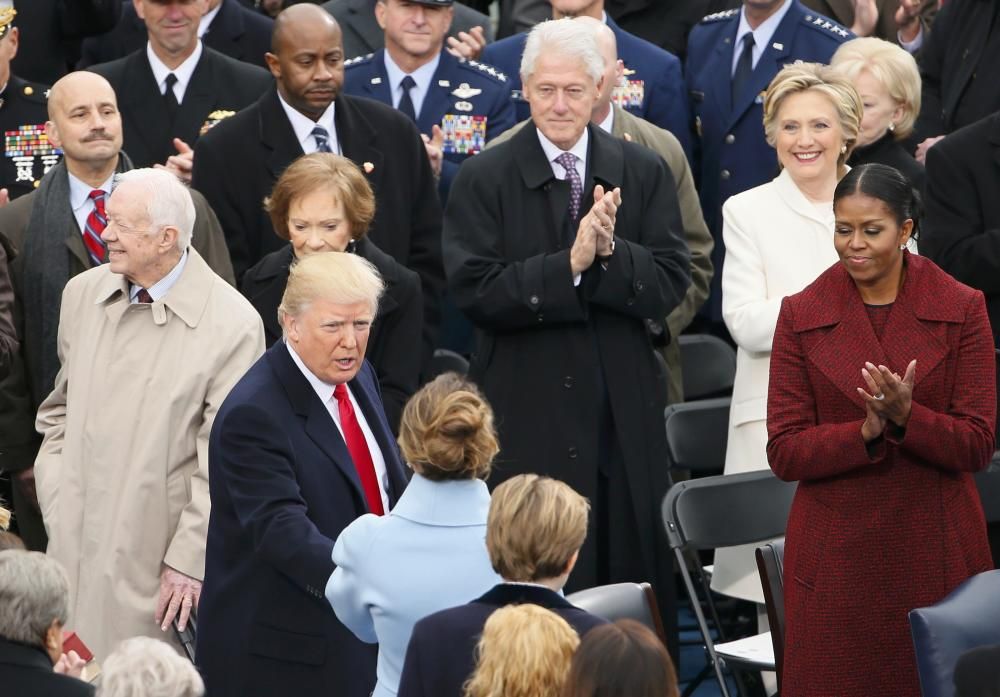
(55, 230)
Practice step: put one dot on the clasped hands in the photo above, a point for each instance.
(596, 235)
(889, 398)
(178, 594)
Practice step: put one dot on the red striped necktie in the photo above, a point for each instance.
(93, 227)
(358, 447)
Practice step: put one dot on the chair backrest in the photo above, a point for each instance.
(771, 567)
(696, 435)
(988, 483)
(619, 601)
(727, 510)
(708, 365)
(968, 617)
(445, 361)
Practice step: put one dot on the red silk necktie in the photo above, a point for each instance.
(358, 447)
(93, 227)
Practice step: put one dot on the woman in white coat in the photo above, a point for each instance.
(779, 238)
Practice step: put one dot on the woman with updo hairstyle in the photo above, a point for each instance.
(621, 659)
(524, 651)
(323, 203)
(881, 405)
(429, 552)
(888, 81)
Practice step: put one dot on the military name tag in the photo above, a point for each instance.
(25, 145)
(629, 93)
(464, 134)
(463, 106)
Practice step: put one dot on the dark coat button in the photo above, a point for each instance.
(568, 382)
(572, 453)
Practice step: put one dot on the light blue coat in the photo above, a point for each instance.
(427, 554)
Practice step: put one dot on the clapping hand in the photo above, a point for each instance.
(469, 45)
(865, 17)
(890, 396)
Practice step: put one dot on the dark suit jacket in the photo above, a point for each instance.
(572, 363)
(961, 229)
(889, 151)
(26, 671)
(236, 31)
(51, 31)
(860, 548)
(362, 34)
(393, 336)
(218, 83)
(441, 654)
(238, 161)
(283, 487)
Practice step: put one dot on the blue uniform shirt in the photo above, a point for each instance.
(730, 152)
(653, 89)
(468, 100)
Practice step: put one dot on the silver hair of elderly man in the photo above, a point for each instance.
(168, 202)
(34, 591)
(564, 37)
(147, 667)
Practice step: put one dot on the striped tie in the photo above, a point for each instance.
(92, 229)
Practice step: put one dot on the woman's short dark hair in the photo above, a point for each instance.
(888, 185)
(624, 659)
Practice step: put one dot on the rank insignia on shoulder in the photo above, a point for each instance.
(26, 144)
(357, 59)
(214, 118)
(463, 106)
(464, 91)
(464, 134)
(719, 16)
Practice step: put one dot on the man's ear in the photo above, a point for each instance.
(169, 240)
(52, 132)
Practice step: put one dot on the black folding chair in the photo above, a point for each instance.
(620, 601)
(724, 511)
(708, 364)
(771, 567)
(445, 361)
(696, 435)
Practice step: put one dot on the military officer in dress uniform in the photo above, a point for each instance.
(653, 85)
(27, 153)
(732, 58)
(457, 105)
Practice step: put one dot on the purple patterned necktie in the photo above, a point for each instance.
(568, 161)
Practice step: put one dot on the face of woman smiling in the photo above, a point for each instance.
(868, 240)
(809, 139)
(317, 223)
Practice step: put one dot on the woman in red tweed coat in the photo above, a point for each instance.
(881, 404)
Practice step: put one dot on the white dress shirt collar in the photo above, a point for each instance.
(161, 287)
(182, 72)
(79, 198)
(422, 76)
(303, 126)
(207, 19)
(609, 122)
(552, 151)
(761, 35)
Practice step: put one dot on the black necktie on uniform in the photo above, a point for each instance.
(405, 103)
(744, 67)
(169, 98)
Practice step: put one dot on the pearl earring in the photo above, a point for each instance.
(843, 149)
(892, 127)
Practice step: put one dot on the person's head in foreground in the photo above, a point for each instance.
(327, 312)
(147, 667)
(877, 213)
(977, 672)
(888, 81)
(321, 203)
(535, 529)
(34, 601)
(623, 659)
(524, 651)
(562, 70)
(447, 431)
(812, 115)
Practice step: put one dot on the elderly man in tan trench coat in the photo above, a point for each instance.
(150, 345)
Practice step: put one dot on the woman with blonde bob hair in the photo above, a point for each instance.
(429, 553)
(779, 238)
(324, 203)
(888, 81)
(525, 651)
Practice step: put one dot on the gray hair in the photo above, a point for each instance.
(34, 591)
(564, 37)
(147, 667)
(168, 202)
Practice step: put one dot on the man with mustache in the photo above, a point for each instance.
(237, 163)
(175, 87)
(56, 230)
